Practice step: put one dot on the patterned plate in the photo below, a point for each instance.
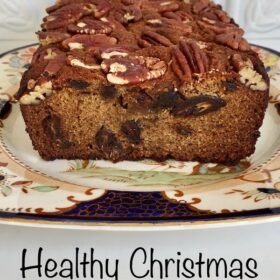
(135, 195)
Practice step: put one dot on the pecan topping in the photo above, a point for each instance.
(233, 40)
(179, 15)
(150, 38)
(90, 27)
(200, 5)
(167, 6)
(219, 27)
(198, 106)
(102, 9)
(55, 65)
(119, 50)
(128, 15)
(88, 41)
(47, 38)
(188, 58)
(133, 70)
(130, 2)
(66, 15)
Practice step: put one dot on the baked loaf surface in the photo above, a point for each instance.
(134, 79)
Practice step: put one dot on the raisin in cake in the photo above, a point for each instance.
(134, 79)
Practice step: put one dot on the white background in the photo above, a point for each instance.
(19, 19)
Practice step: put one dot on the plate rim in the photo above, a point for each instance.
(40, 222)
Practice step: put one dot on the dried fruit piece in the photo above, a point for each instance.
(108, 92)
(78, 84)
(132, 131)
(198, 106)
(230, 85)
(183, 130)
(128, 15)
(53, 128)
(89, 41)
(136, 100)
(167, 100)
(5, 106)
(107, 142)
(90, 27)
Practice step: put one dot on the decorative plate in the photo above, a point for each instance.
(134, 195)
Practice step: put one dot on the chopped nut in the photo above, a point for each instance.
(40, 93)
(252, 79)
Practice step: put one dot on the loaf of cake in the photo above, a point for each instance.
(134, 79)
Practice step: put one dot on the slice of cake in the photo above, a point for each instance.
(130, 79)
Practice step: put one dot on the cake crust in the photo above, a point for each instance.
(128, 80)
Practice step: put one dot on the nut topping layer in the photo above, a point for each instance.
(132, 42)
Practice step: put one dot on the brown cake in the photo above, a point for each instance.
(130, 79)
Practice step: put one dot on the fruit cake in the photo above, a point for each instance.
(134, 79)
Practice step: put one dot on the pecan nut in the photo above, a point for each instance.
(128, 15)
(47, 38)
(125, 70)
(198, 106)
(89, 41)
(102, 9)
(167, 6)
(119, 50)
(219, 27)
(66, 15)
(233, 40)
(133, 70)
(150, 38)
(188, 58)
(200, 6)
(179, 15)
(90, 27)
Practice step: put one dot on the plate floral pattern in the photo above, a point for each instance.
(100, 192)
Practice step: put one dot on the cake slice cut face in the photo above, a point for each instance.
(128, 80)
